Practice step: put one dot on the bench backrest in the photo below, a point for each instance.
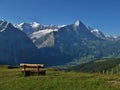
(32, 65)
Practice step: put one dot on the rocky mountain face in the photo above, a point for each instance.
(15, 46)
(54, 45)
(30, 28)
(45, 35)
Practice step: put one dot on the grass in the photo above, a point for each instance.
(13, 79)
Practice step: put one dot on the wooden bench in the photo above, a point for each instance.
(29, 69)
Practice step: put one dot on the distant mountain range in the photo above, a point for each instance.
(54, 45)
(36, 30)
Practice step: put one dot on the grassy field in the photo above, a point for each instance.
(13, 79)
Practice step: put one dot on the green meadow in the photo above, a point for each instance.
(13, 79)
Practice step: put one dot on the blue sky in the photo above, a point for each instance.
(101, 14)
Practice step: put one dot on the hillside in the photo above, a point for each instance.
(106, 65)
(12, 79)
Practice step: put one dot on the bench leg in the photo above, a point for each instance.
(43, 73)
(27, 73)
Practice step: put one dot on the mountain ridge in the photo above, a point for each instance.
(96, 32)
(54, 45)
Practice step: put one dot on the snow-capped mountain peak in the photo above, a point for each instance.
(35, 28)
(35, 24)
(61, 26)
(112, 38)
(3, 25)
(77, 23)
(21, 24)
(96, 31)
